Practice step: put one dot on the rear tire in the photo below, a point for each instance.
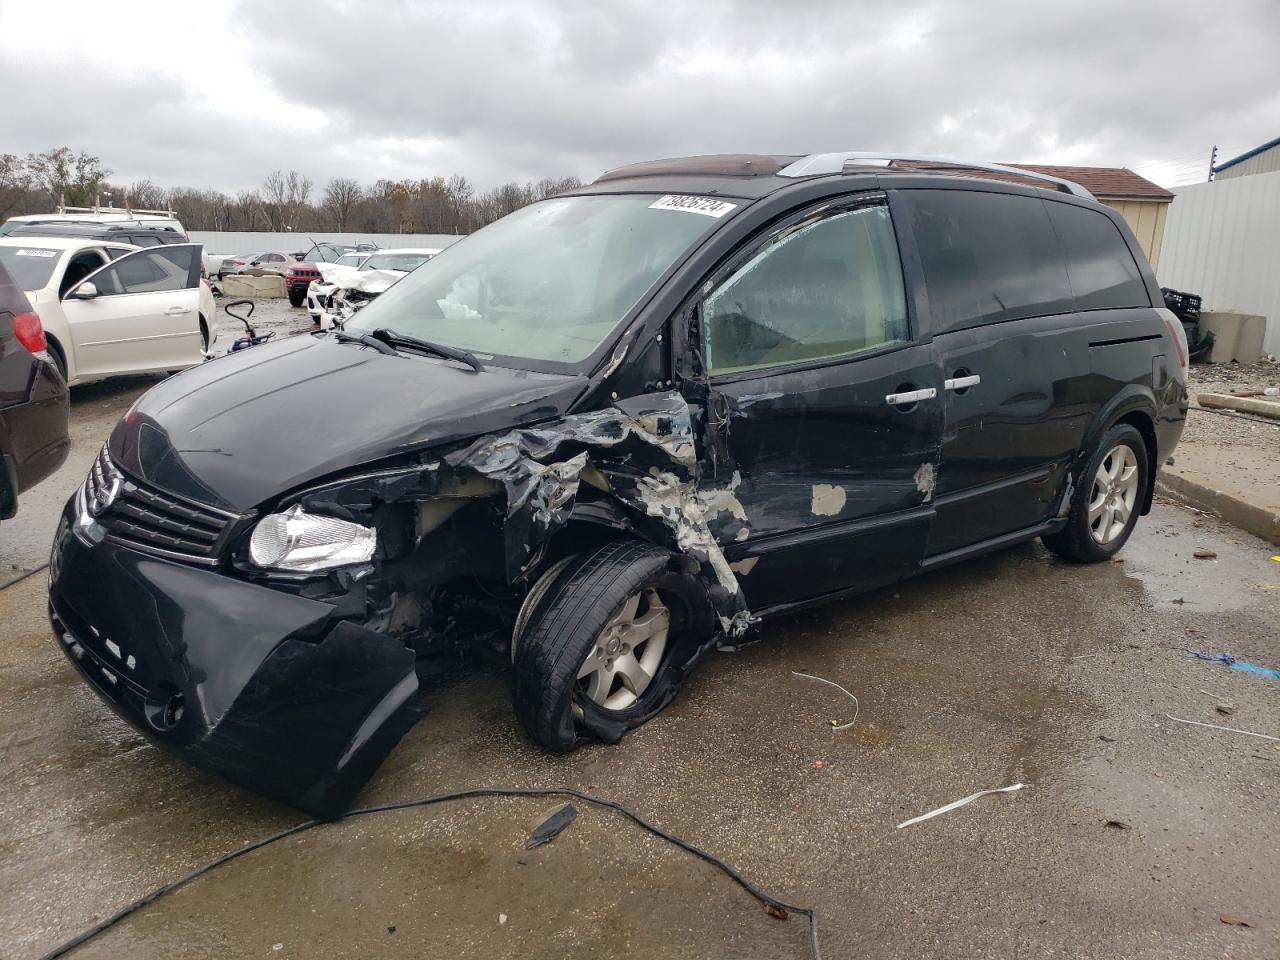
(1106, 505)
(204, 336)
(59, 360)
(606, 645)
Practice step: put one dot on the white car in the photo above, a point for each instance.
(323, 294)
(111, 309)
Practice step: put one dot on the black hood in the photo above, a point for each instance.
(245, 428)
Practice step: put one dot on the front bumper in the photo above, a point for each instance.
(265, 688)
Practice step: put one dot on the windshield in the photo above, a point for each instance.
(548, 283)
(30, 267)
(404, 262)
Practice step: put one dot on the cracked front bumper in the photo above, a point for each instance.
(262, 687)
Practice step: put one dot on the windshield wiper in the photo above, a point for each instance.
(380, 345)
(404, 341)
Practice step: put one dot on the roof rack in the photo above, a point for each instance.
(123, 211)
(817, 164)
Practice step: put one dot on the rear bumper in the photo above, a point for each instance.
(34, 435)
(262, 687)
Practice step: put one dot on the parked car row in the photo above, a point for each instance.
(612, 431)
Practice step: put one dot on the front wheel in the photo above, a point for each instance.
(1106, 505)
(297, 296)
(605, 645)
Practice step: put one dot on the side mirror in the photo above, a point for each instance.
(86, 291)
(255, 263)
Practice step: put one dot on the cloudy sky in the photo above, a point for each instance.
(219, 94)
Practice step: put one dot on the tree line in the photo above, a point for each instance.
(286, 201)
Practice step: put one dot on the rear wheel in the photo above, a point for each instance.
(1106, 505)
(605, 645)
(204, 336)
(58, 358)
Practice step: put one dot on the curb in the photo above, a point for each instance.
(1247, 516)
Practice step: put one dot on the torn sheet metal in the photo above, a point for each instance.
(642, 450)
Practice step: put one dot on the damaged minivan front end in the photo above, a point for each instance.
(268, 598)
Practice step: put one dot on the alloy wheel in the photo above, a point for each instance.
(627, 653)
(1114, 493)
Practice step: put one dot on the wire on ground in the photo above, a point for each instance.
(730, 872)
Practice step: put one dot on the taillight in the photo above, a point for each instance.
(1173, 327)
(30, 332)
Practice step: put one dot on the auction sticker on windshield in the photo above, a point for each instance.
(47, 253)
(707, 206)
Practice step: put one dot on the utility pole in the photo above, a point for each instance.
(1213, 159)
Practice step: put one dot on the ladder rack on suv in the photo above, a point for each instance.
(126, 212)
(816, 164)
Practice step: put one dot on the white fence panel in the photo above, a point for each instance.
(244, 242)
(1222, 241)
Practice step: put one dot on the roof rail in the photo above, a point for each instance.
(816, 164)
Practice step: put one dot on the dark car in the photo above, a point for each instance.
(33, 400)
(604, 435)
(137, 234)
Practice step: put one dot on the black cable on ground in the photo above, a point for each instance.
(22, 576)
(635, 818)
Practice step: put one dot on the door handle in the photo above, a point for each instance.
(910, 396)
(176, 311)
(962, 383)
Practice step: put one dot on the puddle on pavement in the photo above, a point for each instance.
(1161, 557)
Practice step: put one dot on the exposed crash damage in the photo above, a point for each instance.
(343, 687)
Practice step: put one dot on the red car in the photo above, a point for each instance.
(299, 275)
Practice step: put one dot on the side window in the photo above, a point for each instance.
(827, 289)
(115, 253)
(150, 271)
(1102, 271)
(987, 257)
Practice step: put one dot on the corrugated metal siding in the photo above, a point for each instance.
(1146, 218)
(1222, 241)
(1268, 161)
(245, 242)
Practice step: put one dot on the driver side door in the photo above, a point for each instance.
(141, 314)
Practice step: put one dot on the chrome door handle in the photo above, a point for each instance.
(910, 396)
(176, 311)
(961, 383)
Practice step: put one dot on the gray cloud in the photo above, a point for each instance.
(502, 91)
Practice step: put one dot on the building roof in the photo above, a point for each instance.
(1105, 183)
(1262, 148)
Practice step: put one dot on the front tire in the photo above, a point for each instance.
(605, 646)
(1106, 506)
(297, 297)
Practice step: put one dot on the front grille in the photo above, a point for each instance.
(144, 517)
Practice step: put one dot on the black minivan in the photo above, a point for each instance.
(605, 434)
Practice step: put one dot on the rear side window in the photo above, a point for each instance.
(153, 271)
(987, 257)
(30, 267)
(825, 290)
(1102, 271)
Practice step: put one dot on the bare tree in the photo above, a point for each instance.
(146, 195)
(247, 205)
(340, 196)
(272, 200)
(297, 194)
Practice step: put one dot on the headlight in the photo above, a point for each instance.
(296, 540)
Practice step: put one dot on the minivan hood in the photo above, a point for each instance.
(238, 431)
